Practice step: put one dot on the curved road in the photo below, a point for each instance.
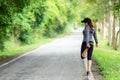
(58, 60)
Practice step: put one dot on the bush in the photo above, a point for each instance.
(43, 18)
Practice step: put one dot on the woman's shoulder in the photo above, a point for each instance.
(93, 30)
(87, 27)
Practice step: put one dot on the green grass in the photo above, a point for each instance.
(16, 49)
(108, 60)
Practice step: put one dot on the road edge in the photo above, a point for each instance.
(14, 59)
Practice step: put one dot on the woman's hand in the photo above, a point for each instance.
(88, 45)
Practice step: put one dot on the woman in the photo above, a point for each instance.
(87, 43)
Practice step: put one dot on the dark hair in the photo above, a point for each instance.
(90, 25)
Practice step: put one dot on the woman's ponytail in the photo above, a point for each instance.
(91, 25)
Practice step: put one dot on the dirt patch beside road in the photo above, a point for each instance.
(96, 71)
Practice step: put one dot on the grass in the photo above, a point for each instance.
(16, 49)
(108, 60)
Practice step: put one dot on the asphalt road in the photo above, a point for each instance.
(58, 60)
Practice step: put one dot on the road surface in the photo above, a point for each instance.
(58, 60)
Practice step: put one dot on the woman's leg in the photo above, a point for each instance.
(89, 63)
(83, 47)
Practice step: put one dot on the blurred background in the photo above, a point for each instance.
(27, 21)
(26, 24)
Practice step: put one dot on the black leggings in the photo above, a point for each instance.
(90, 50)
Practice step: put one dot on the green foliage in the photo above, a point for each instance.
(103, 7)
(47, 18)
(7, 10)
(108, 60)
(116, 8)
(27, 20)
(3, 36)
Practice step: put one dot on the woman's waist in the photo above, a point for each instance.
(90, 42)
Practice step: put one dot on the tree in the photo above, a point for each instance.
(20, 19)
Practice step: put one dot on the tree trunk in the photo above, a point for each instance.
(119, 33)
(110, 29)
(117, 46)
(113, 36)
(102, 30)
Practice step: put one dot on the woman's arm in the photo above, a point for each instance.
(95, 37)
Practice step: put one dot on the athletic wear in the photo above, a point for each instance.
(90, 50)
(87, 39)
(88, 33)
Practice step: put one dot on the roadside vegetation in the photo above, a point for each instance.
(108, 60)
(26, 24)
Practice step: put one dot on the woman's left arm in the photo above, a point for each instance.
(95, 37)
